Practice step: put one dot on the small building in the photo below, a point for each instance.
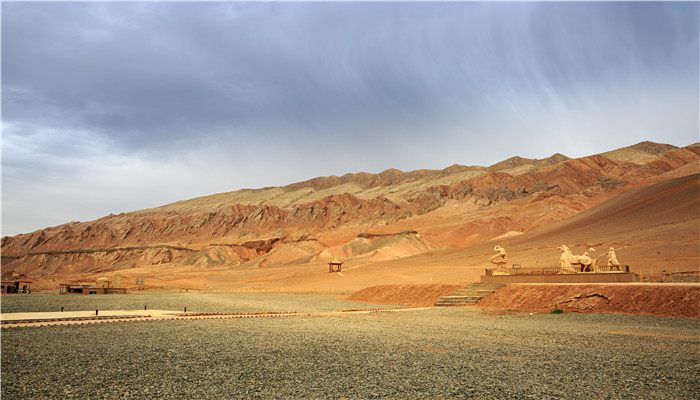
(102, 286)
(65, 288)
(335, 266)
(17, 284)
(68, 288)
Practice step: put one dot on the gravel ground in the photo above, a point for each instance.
(439, 353)
(194, 301)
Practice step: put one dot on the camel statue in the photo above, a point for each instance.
(588, 264)
(613, 264)
(571, 263)
(499, 260)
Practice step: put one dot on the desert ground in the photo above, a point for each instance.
(405, 240)
(466, 352)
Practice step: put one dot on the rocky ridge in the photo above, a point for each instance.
(326, 216)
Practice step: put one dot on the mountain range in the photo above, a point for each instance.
(417, 226)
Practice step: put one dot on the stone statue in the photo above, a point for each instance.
(566, 260)
(571, 263)
(499, 260)
(613, 264)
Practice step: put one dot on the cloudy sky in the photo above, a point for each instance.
(116, 107)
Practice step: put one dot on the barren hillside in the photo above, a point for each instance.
(391, 218)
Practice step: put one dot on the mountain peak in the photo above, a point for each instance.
(556, 158)
(457, 168)
(512, 162)
(533, 163)
(653, 147)
(639, 153)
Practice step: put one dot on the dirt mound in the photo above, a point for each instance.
(668, 300)
(410, 295)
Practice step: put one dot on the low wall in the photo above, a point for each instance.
(562, 278)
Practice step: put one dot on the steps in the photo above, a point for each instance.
(469, 295)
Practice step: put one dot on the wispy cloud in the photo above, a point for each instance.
(109, 107)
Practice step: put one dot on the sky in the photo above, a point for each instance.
(112, 107)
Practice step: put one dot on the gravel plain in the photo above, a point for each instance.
(194, 301)
(437, 353)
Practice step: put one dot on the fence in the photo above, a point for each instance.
(519, 270)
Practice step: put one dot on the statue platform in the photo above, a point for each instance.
(552, 275)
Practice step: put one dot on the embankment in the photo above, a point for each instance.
(409, 295)
(668, 300)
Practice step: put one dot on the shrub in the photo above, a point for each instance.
(557, 310)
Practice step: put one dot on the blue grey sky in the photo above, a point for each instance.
(111, 107)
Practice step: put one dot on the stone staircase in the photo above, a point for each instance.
(469, 295)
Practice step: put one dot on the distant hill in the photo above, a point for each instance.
(640, 152)
(649, 225)
(360, 216)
